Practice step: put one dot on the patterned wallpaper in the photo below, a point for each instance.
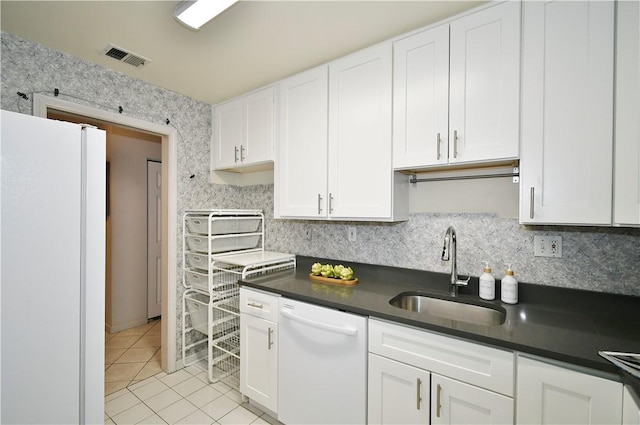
(598, 259)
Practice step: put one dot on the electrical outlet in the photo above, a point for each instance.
(307, 234)
(351, 232)
(547, 246)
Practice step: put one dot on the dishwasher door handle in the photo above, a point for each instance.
(343, 330)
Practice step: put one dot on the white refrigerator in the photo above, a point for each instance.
(52, 268)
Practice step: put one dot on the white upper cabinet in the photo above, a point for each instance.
(567, 112)
(361, 177)
(627, 133)
(457, 91)
(334, 148)
(300, 169)
(421, 99)
(244, 131)
(485, 85)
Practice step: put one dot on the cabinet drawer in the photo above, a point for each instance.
(259, 304)
(476, 364)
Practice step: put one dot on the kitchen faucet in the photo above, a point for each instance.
(449, 253)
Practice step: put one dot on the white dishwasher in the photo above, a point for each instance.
(322, 365)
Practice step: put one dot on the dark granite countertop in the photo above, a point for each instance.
(562, 324)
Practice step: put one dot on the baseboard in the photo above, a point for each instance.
(124, 326)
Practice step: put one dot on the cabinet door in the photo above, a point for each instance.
(360, 168)
(630, 409)
(567, 112)
(549, 394)
(300, 172)
(485, 85)
(398, 393)
(227, 134)
(421, 99)
(454, 402)
(627, 144)
(258, 131)
(259, 360)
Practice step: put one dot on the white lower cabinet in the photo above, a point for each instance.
(454, 402)
(259, 348)
(397, 393)
(407, 368)
(550, 394)
(630, 409)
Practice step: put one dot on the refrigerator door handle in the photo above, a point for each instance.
(343, 330)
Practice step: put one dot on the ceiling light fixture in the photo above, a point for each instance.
(196, 13)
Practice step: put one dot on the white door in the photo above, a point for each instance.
(398, 393)
(421, 99)
(567, 112)
(258, 130)
(360, 167)
(259, 360)
(549, 394)
(485, 84)
(154, 239)
(300, 171)
(627, 132)
(227, 134)
(630, 409)
(454, 402)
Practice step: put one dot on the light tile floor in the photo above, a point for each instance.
(143, 394)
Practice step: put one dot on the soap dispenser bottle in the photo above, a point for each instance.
(509, 287)
(487, 283)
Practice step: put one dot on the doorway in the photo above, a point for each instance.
(42, 105)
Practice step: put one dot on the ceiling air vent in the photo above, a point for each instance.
(122, 55)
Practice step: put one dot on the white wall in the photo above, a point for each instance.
(127, 153)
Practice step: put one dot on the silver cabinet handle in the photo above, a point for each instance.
(235, 154)
(269, 340)
(438, 405)
(241, 153)
(319, 204)
(254, 305)
(438, 145)
(455, 143)
(532, 192)
(330, 203)
(418, 396)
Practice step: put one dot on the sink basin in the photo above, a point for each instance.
(452, 309)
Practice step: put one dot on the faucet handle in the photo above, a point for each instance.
(464, 282)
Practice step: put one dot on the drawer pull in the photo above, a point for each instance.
(418, 395)
(254, 305)
(438, 405)
(455, 143)
(532, 197)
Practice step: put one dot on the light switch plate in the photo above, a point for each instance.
(547, 246)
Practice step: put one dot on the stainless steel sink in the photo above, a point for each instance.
(457, 310)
